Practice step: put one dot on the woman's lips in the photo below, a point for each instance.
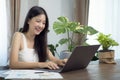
(38, 29)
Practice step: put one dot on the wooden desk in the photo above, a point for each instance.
(95, 71)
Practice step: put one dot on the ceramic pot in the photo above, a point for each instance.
(65, 54)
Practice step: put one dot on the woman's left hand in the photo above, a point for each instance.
(62, 62)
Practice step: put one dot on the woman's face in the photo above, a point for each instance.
(37, 24)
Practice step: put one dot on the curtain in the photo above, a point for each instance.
(81, 11)
(81, 15)
(15, 14)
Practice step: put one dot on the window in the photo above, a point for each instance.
(104, 16)
(3, 33)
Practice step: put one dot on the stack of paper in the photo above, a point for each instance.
(31, 74)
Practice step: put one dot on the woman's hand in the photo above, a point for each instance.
(62, 62)
(50, 65)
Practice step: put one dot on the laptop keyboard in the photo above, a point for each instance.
(56, 70)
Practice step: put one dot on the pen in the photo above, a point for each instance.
(38, 72)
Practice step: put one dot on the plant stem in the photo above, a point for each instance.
(68, 38)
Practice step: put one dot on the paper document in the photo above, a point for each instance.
(1, 73)
(32, 74)
(22, 71)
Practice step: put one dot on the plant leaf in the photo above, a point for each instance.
(59, 27)
(63, 19)
(63, 41)
(106, 41)
(91, 30)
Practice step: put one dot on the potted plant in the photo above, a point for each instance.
(64, 26)
(106, 55)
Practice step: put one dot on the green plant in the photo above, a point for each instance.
(106, 41)
(52, 48)
(64, 26)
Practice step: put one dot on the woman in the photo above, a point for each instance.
(29, 47)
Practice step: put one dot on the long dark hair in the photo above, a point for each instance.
(40, 44)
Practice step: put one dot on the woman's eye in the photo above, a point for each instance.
(44, 23)
(37, 21)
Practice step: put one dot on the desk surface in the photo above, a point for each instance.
(95, 71)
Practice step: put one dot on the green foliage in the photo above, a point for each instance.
(106, 41)
(64, 26)
(52, 48)
(86, 30)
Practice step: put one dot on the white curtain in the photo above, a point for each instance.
(104, 15)
(3, 33)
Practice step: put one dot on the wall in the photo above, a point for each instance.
(54, 9)
(25, 6)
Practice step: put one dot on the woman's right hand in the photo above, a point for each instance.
(50, 65)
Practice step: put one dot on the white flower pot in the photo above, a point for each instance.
(65, 54)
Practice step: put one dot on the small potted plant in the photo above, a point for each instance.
(106, 55)
(64, 26)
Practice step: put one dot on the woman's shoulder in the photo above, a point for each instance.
(18, 34)
(16, 38)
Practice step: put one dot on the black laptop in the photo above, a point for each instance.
(79, 59)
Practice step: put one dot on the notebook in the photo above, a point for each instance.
(79, 59)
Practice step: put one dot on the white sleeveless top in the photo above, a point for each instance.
(26, 54)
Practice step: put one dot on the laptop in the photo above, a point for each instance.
(79, 59)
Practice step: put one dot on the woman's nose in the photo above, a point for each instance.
(41, 25)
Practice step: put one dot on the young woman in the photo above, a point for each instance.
(29, 47)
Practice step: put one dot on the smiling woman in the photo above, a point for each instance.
(29, 47)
